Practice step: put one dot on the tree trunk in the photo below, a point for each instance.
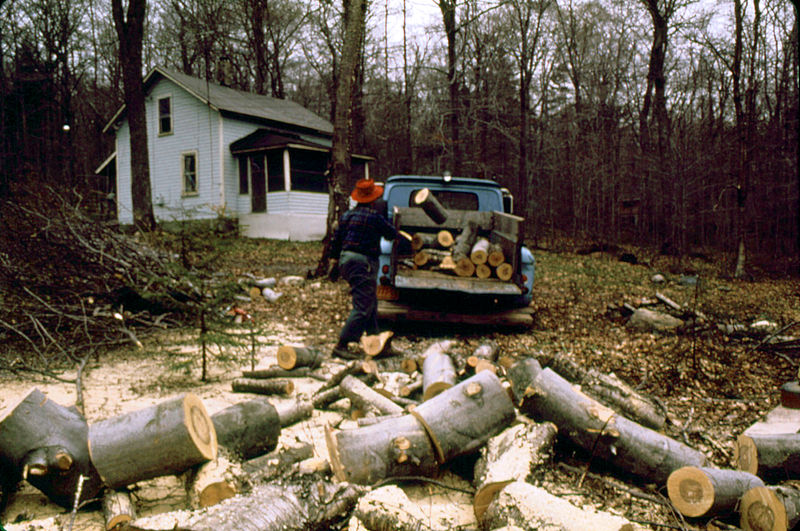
(773, 458)
(709, 492)
(46, 444)
(165, 439)
(248, 429)
(770, 509)
(601, 431)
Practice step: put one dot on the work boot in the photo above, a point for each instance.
(342, 351)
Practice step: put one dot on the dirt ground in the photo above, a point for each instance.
(713, 385)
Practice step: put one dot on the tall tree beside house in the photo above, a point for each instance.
(130, 30)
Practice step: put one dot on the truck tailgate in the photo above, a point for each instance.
(437, 281)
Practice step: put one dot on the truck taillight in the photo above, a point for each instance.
(385, 269)
(524, 279)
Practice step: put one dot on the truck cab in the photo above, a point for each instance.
(401, 284)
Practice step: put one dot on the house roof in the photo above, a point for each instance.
(226, 99)
(265, 139)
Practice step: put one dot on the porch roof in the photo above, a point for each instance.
(267, 139)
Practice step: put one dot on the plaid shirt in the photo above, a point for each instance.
(360, 231)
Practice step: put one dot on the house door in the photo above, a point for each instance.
(258, 181)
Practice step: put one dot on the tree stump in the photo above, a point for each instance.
(165, 439)
(770, 509)
(248, 429)
(771, 457)
(290, 357)
(46, 444)
(432, 207)
(709, 492)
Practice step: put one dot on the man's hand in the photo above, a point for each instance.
(333, 271)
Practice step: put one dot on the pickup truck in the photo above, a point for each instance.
(407, 291)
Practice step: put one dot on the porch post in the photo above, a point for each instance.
(287, 171)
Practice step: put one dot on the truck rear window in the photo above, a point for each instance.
(451, 199)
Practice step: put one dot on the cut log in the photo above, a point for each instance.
(504, 271)
(510, 456)
(496, 256)
(352, 367)
(210, 483)
(45, 443)
(444, 238)
(438, 371)
(770, 509)
(389, 508)
(432, 207)
(532, 508)
(165, 439)
(276, 372)
(411, 388)
(364, 398)
(604, 433)
(248, 429)
(327, 397)
(377, 344)
(290, 357)
(611, 391)
(263, 387)
(771, 457)
(521, 375)
(294, 412)
(479, 253)
(483, 271)
(462, 248)
(268, 466)
(697, 491)
(118, 508)
(420, 240)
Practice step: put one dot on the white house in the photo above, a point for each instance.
(216, 151)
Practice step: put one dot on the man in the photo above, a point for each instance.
(354, 252)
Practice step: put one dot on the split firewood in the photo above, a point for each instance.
(210, 483)
(277, 372)
(703, 491)
(504, 271)
(248, 429)
(365, 398)
(164, 439)
(770, 509)
(390, 508)
(438, 371)
(611, 391)
(510, 456)
(118, 508)
(447, 264)
(479, 253)
(603, 432)
(46, 444)
(462, 247)
(263, 387)
(531, 508)
(771, 457)
(496, 255)
(266, 467)
(375, 345)
(266, 508)
(291, 357)
(432, 207)
(294, 412)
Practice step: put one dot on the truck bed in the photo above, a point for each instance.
(424, 279)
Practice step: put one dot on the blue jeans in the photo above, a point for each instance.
(361, 272)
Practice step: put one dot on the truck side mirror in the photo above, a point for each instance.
(508, 201)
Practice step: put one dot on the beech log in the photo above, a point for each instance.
(432, 207)
(248, 429)
(263, 387)
(504, 271)
(604, 433)
(165, 439)
(479, 253)
(532, 508)
(420, 240)
(118, 508)
(770, 509)
(266, 467)
(327, 397)
(483, 271)
(290, 357)
(276, 372)
(438, 371)
(702, 491)
(364, 398)
(352, 367)
(510, 456)
(389, 508)
(375, 345)
(444, 239)
(209, 483)
(771, 457)
(462, 247)
(294, 412)
(496, 256)
(46, 443)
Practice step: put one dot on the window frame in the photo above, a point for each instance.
(167, 116)
(244, 180)
(184, 191)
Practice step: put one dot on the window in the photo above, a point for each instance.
(189, 165)
(308, 172)
(275, 182)
(165, 116)
(452, 200)
(244, 187)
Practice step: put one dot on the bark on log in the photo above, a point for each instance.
(421, 240)
(165, 439)
(605, 433)
(263, 387)
(432, 207)
(365, 398)
(496, 256)
(504, 271)
(389, 508)
(294, 412)
(276, 372)
(770, 509)
(696, 491)
(479, 254)
(327, 397)
(248, 429)
(290, 357)
(266, 467)
(118, 508)
(267, 508)
(611, 391)
(532, 508)
(771, 457)
(352, 367)
(462, 247)
(521, 375)
(510, 456)
(438, 372)
(46, 443)
(210, 483)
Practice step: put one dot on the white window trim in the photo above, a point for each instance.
(184, 191)
(171, 114)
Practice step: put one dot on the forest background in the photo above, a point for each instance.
(668, 123)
